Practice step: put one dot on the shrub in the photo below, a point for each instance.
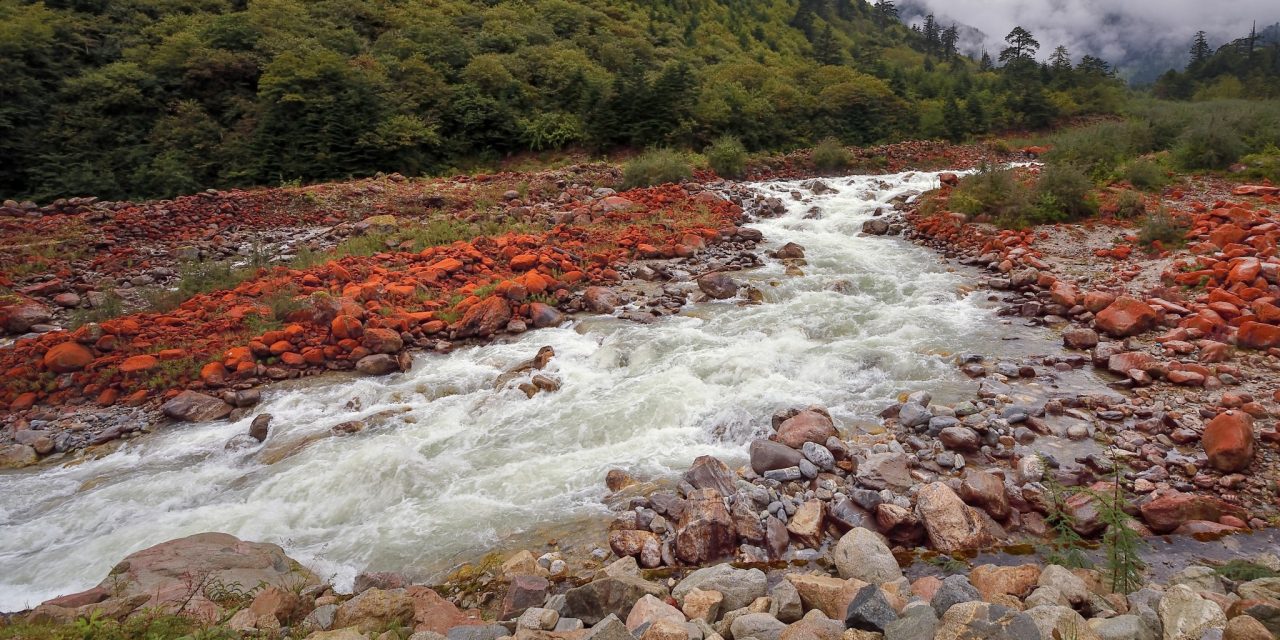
(657, 166)
(727, 157)
(996, 193)
(1264, 165)
(1063, 193)
(830, 155)
(1144, 174)
(1209, 145)
(1102, 147)
(1130, 205)
(1163, 228)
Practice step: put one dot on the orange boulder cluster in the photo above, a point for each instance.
(357, 310)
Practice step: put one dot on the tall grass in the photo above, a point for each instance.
(654, 167)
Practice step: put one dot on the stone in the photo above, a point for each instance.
(601, 299)
(544, 315)
(870, 610)
(67, 357)
(829, 595)
(960, 438)
(596, 600)
(193, 406)
(760, 626)
(985, 621)
(20, 317)
(707, 472)
(645, 546)
(259, 427)
(379, 340)
(1245, 628)
(321, 617)
(719, 286)
(609, 628)
(954, 590)
(524, 592)
(350, 633)
(1060, 622)
(1229, 441)
(787, 605)
(862, 554)
(160, 575)
(1126, 317)
(648, 610)
(17, 456)
(806, 426)
(808, 524)
(1071, 586)
(431, 612)
(950, 523)
(986, 491)
(284, 606)
(814, 628)
(916, 623)
(913, 414)
(1187, 616)
(1171, 510)
(819, 455)
(1123, 627)
(705, 530)
(375, 610)
(477, 632)
(991, 580)
(737, 587)
(702, 605)
(377, 364)
(666, 630)
(485, 318)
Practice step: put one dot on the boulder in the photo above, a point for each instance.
(760, 626)
(862, 554)
(375, 610)
(160, 576)
(1246, 628)
(702, 605)
(259, 427)
(718, 285)
(950, 523)
(954, 590)
(377, 364)
(991, 580)
(737, 587)
(829, 595)
(1126, 317)
(645, 546)
(807, 426)
(984, 621)
(986, 491)
(1229, 441)
(809, 523)
(20, 317)
(610, 628)
(707, 472)
(705, 530)
(1061, 622)
(525, 591)
(17, 456)
(610, 595)
(1187, 616)
(379, 340)
(767, 455)
(870, 610)
(1080, 338)
(432, 613)
(193, 406)
(67, 357)
(1171, 510)
(484, 318)
(600, 299)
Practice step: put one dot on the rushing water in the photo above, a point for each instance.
(449, 467)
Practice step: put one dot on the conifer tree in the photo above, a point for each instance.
(1200, 50)
(1022, 46)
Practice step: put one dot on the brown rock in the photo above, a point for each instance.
(829, 595)
(986, 491)
(991, 580)
(375, 610)
(950, 523)
(67, 357)
(707, 472)
(1126, 317)
(193, 406)
(703, 605)
(806, 426)
(431, 612)
(705, 530)
(484, 318)
(642, 545)
(1167, 512)
(809, 523)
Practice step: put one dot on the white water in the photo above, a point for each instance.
(461, 467)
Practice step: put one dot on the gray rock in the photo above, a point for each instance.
(785, 475)
(740, 587)
(1187, 616)
(916, 623)
(538, 619)
(786, 606)
(568, 624)
(808, 469)
(596, 600)
(819, 455)
(192, 406)
(377, 364)
(719, 286)
(321, 617)
(862, 554)
(1125, 627)
(913, 414)
(478, 632)
(760, 626)
(767, 455)
(954, 590)
(869, 610)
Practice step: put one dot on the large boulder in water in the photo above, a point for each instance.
(193, 406)
(180, 574)
(718, 285)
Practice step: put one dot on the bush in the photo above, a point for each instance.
(830, 155)
(1130, 205)
(1144, 174)
(996, 193)
(1164, 228)
(1209, 145)
(657, 166)
(1063, 193)
(1264, 165)
(727, 157)
(1102, 147)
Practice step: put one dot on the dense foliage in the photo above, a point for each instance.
(131, 98)
(1247, 67)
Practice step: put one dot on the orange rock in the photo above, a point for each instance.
(135, 364)
(213, 374)
(1228, 441)
(108, 397)
(346, 327)
(172, 354)
(67, 357)
(1256, 335)
(281, 346)
(1095, 301)
(293, 359)
(23, 402)
(313, 355)
(1126, 317)
(524, 262)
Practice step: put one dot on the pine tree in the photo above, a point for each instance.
(886, 12)
(825, 48)
(1200, 50)
(986, 64)
(953, 119)
(1060, 60)
(931, 41)
(949, 37)
(1022, 46)
(976, 115)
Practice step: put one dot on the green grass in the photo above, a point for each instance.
(1244, 571)
(1164, 228)
(830, 155)
(1144, 174)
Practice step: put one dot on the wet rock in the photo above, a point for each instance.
(870, 610)
(875, 227)
(525, 591)
(601, 299)
(767, 455)
(862, 554)
(1229, 441)
(718, 285)
(1168, 512)
(24, 315)
(738, 587)
(377, 364)
(485, 318)
(193, 406)
(913, 414)
(962, 439)
(259, 427)
(1080, 338)
(951, 524)
(544, 315)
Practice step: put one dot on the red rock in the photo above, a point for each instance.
(1256, 335)
(135, 364)
(67, 357)
(292, 359)
(1229, 441)
(1063, 293)
(705, 530)
(23, 402)
(213, 374)
(1126, 317)
(1186, 378)
(380, 340)
(1169, 511)
(1227, 234)
(1095, 301)
(806, 426)
(484, 318)
(524, 262)
(345, 327)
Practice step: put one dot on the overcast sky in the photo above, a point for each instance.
(1111, 29)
